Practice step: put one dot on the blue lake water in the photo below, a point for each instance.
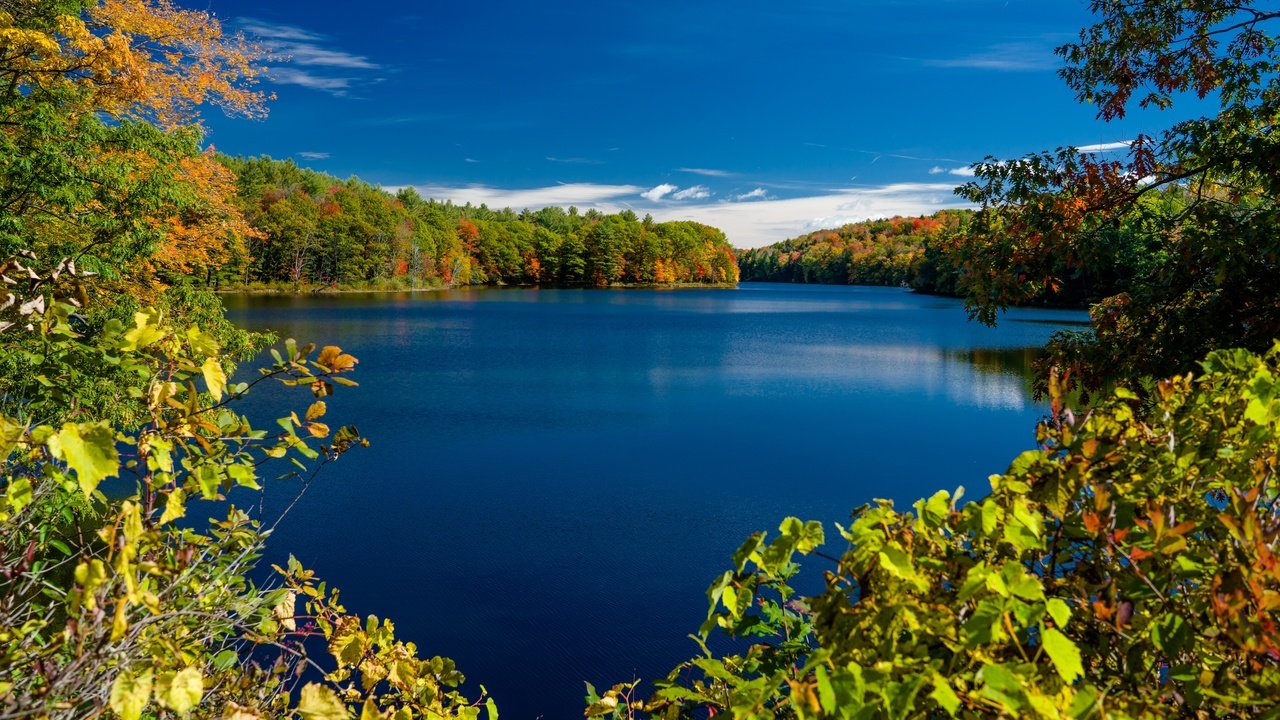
(557, 475)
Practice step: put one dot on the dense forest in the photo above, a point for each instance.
(313, 229)
(1125, 567)
(895, 251)
(927, 254)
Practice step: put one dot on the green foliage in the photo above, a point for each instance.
(321, 231)
(135, 608)
(1182, 230)
(1126, 568)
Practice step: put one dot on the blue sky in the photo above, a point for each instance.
(767, 119)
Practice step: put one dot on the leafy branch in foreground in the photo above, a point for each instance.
(1127, 568)
(126, 602)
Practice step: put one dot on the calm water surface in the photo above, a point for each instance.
(557, 475)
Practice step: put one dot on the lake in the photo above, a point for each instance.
(556, 476)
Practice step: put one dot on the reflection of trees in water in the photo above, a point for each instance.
(1019, 362)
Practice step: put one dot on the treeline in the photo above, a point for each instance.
(927, 254)
(315, 229)
(896, 251)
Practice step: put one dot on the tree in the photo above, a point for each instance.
(97, 157)
(1186, 222)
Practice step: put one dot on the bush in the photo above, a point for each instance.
(1126, 568)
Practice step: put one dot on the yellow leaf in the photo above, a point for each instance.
(174, 506)
(320, 703)
(146, 330)
(129, 694)
(90, 450)
(239, 712)
(316, 410)
(333, 358)
(284, 611)
(214, 377)
(180, 691)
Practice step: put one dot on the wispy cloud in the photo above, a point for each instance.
(308, 55)
(748, 224)
(575, 160)
(312, 155)
(657, 193)
(707, 172)
(470, 160)
(697, 192)
(294, 76)
(1103, 147)
(964, 171)
(583, 195)
(1003, 57)
(757, 194)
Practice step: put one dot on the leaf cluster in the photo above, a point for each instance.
(117, 597)
(1126, 568)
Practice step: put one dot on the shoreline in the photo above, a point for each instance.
(327, 290)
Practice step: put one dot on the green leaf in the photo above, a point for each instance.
(129, 694)
(1003, 686)
(1059, 610)
(826, 693)
(934, 511)
(90, 450)
(747, 550)
(18, 494)
(320, 703)
(180, 691)
(1064, 654)
(1170, 633)
(944, 695)
(898, 563)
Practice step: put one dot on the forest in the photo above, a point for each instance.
(311, 229)
(927, 254)
(1128, 566)
(894, 251)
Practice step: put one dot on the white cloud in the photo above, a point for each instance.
(275, 31)
(706, 171)
(1004, 57)
(575, 160)
(583, 195)
(470, 160)
(697, 192)
(311, 155)
(761, 223)
(757, 194)
(1103, 147)
(965, 171)
(301, 48)
(748, 224)
(294, 76)
(658, 192)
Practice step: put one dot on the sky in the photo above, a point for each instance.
(765, 119)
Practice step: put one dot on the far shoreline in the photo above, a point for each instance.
(342, 290)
